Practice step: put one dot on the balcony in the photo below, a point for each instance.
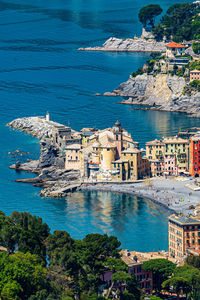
(93, 166)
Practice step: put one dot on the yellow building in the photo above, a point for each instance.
(108, 154)
(112, 154)
(155, 150)
(131, 166)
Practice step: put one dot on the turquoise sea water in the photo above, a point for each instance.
(42, 70)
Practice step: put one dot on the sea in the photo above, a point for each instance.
(41, 70)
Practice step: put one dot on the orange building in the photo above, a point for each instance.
(194, 75)
(184, 234)
(194, 156)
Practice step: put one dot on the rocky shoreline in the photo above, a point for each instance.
(58, 182)
(161, 92)
(52, 176)
(137, 44)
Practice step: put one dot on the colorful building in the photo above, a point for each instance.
(155, 155)
(157, 168)
(170, 167)
(112, 154)
(72, 158)
(194, 75)
(174, 49)
(155, 150)
(176, 155)
(183, 234)
(194, 156)
(131, 166)
(134, 261)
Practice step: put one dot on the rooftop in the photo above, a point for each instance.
(155, 142)
(120, 161)
(73, 147)
(184, 220)
(195, 138)
(175, 140)
(132, 258)
(195, 71)
(131, 150)
(175, 45)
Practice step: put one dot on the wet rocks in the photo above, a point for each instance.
(31, 166)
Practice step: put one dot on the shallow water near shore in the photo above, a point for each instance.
(42, 70)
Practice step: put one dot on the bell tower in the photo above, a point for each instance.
(117, 131)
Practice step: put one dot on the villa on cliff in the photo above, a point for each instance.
(174, 56)
(175, 49)
(109, 154)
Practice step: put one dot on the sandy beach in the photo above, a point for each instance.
(169, 193)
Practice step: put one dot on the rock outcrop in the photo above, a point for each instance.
(134, 45)
(163, 92)
(52, 176)
(48, 156)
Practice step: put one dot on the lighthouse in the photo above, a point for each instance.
(47, 116)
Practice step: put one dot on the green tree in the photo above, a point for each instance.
(21, 275)
(178, 20)
(11, 290)
(161, 269)
(116, 264)
(177, 285)
(148, 13)
(23, 232)
(132, 286)
(192, 276)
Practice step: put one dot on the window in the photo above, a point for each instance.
(193, 234)
(192, 242)
(198, 234)
(199, 242)
(116, 137)
(131, 164)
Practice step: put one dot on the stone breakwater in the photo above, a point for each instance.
(160, 92)
(132, 45)
(36, 126)
(55, 180)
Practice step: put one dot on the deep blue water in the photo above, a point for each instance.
(42, 70)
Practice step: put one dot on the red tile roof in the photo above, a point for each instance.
(175, 45)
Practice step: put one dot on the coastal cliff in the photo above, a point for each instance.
(161, 92)
(133, 45)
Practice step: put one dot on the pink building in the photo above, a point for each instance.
(134, 261)
(170, 165)
(157, 167)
